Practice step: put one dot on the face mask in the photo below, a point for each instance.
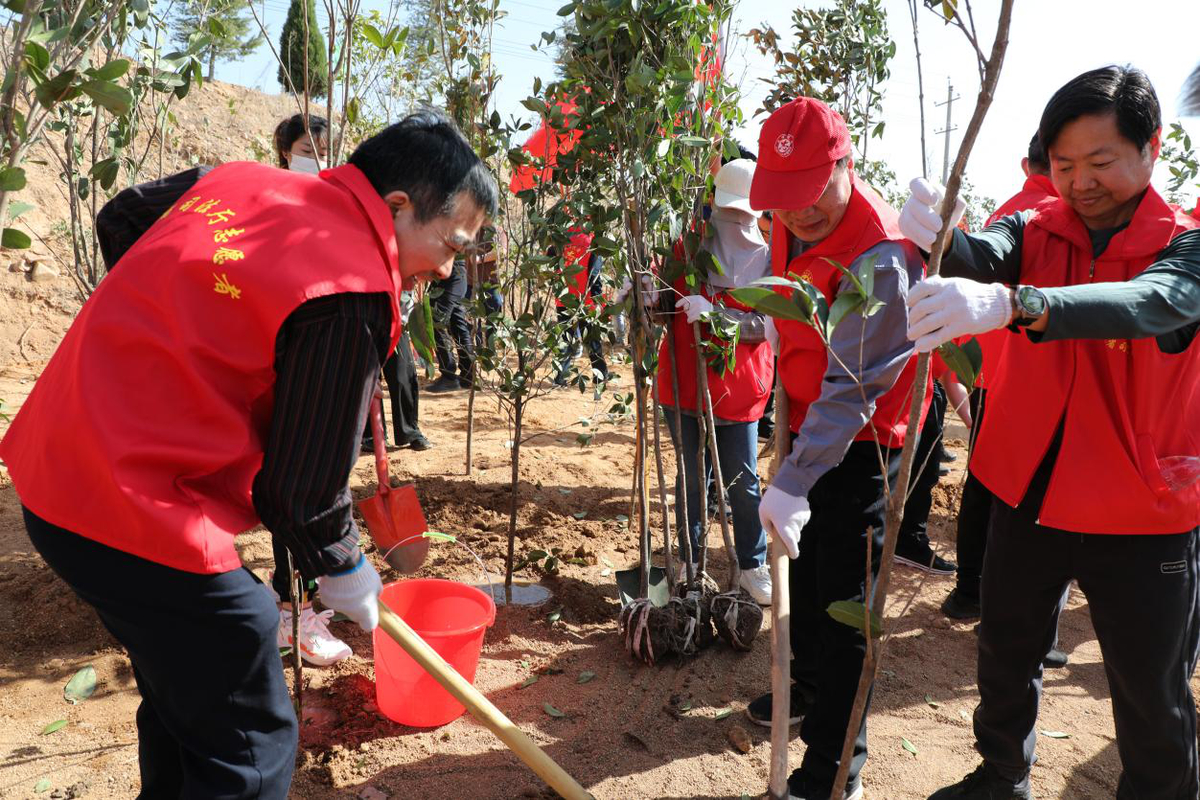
(303, 164)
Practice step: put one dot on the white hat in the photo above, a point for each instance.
(733, 185)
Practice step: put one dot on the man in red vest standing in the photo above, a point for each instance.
(832, 484)
(1090, 442)
(976, 506)
(221, 377)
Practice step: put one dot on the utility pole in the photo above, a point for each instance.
(949, 104)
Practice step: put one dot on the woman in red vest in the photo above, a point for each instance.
(1090, 442)
(738, 396)
(221, 377)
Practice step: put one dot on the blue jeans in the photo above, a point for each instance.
(736, 446)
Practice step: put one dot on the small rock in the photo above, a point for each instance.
(371, 793)
(16, 266)
(740, 739)
(43, 271)
(494, 538)
(365, 746)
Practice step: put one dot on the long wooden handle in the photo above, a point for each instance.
(781, 607)
(480, 707)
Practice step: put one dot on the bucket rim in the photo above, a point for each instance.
(469, 590)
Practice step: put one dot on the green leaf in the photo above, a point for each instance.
(965, 361)
(12, 179)
(932, 703)
(853, 613)
(907, 745)
(110, 96)
(552, 711)
(770, 303)
(14, 239)
(530, 681)
(1055, 734)
(566, 10)
(579, 514)
(37, 56)
(948, 9)
(284, 652)
(106, 171)
(372, 35)
(420, 328)
(693, 141)
(536, 555)
(57, 725)
(113, 69)
(42, 786)
(58, 89)
(585, 677)
(843, 305)
(81, 685)
(722, 714)
(17, 208)
(554, 616)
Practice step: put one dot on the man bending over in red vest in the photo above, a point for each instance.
(831, 486)
(219, 378)
(1090, 440)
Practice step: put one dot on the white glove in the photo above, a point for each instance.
(649, 293)
(354, 592)
(784, 517)
(694, 306)
(771, 333)
(921, 217)
(941, 309)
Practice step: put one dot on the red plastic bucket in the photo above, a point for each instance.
(452, 618)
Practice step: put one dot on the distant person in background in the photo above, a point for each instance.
(298, 146)
(583, 268)
(452, 332)
(400, 373)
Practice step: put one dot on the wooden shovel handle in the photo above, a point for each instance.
(480, 707)
(381, 462)
(781, 609)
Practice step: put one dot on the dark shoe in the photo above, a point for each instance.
(444, 384)
(949, 456)
(985, 784)
(418, 442)
(759, 711)
(923, 558)
(1055, 659)
(801, 787)
(368, 446)
(765, 432)
(960, 606)
(464, 383)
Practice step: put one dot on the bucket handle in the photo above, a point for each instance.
(449, 537)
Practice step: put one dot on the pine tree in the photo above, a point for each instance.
(291, 51)
(232, 31)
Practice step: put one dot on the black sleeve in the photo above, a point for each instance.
(327, 360)
(124, 219)
(1163, 301)
(993, 255)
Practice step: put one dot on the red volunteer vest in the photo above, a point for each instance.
(1123, 403)
(802, 359)
(147, 427)
(740, 395)
(576, 258)
(1036, 189)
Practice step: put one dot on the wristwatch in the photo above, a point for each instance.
(1029, 304)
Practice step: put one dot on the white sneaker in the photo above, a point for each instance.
(317, 645)
(757, 582)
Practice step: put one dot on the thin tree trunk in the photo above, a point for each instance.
(912, 10)
(518, 412)
(668, 562)
(475, 330)
(781, 610)
(735, 569)
(681, 510)
(895, 511)
(701, 446)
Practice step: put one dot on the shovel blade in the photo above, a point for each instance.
(395, 521)
(629, 584)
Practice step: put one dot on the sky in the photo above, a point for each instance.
(1051, 42)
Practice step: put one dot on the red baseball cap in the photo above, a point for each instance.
(797, 148)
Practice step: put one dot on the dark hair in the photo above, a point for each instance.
(1190, 104)
(428, 158)
(292, 128)
(1036, 155)
(1125, 92)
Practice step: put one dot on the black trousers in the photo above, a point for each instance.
(400, 374)
(928, 460)
(215, 718)
(451, 330)
(827, 656)
(1145, 606)
(974, 516)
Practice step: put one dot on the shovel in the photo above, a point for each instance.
(393, 515)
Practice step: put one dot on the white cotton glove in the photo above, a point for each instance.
(354, 592)
(694, 306)
(784, 517)
(921, 217)
(941, 309)
(649, 293)
(771, 334)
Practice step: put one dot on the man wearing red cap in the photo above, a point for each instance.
(843, 413)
